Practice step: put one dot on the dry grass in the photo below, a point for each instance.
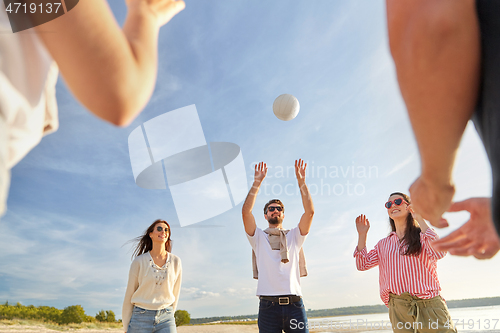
(18, 326)
(29, 326)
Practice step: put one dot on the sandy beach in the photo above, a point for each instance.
(218, 328)
(182, 329)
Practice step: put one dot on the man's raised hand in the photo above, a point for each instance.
(300, 169)
(260, 172)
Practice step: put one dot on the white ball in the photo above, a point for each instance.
(286, 107)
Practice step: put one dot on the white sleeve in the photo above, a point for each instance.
(177, 285)
(297, 237)
(254, 240)
(133, 284)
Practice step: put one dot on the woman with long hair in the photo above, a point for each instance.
(154, 283)
(408, 280)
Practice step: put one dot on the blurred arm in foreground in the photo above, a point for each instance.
(436, 46)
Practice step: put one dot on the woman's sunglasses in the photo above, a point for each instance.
(397, 202)
(272, 208)
(160, 229)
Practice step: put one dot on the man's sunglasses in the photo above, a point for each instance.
(160, 229)
(397, 202)
(272, 208)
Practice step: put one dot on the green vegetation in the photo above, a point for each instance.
(107, 316)
(74, 314)
(57, 327)
(182, 317)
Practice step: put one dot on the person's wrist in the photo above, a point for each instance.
(437, 181)
(139, 9)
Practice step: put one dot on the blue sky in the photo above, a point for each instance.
(73, 202)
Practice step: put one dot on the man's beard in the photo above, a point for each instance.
(275, 220)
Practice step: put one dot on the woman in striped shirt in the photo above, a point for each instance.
(409, 284)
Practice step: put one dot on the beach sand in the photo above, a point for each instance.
(182, 329)
(218, 328)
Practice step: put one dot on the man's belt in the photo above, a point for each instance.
(282, 300)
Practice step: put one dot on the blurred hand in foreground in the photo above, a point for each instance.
(431, 200)
(162, 10)
(477, 237)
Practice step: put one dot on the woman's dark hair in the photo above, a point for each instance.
(144, 242)
(411, 240)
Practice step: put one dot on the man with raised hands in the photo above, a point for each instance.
(278, 259)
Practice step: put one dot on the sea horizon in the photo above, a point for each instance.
(466, 319)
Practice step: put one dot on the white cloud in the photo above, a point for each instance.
(196, 293)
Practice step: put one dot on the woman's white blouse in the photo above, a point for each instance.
(152, 287)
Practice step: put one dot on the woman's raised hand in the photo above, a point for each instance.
(362, 224)
(415, 215)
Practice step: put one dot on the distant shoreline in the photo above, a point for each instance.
(355, 310)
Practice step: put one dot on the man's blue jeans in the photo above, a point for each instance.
(275, 318)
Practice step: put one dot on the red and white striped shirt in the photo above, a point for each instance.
(399, 273)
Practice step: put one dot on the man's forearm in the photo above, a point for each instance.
(246, 210)
(251, 197)
(306, 198)
(307, 217)
(435, 46)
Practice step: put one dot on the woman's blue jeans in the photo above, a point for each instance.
(275, 318)
(152, 321)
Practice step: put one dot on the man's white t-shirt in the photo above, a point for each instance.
(275, 277)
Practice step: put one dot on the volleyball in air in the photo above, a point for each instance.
(286, 107)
